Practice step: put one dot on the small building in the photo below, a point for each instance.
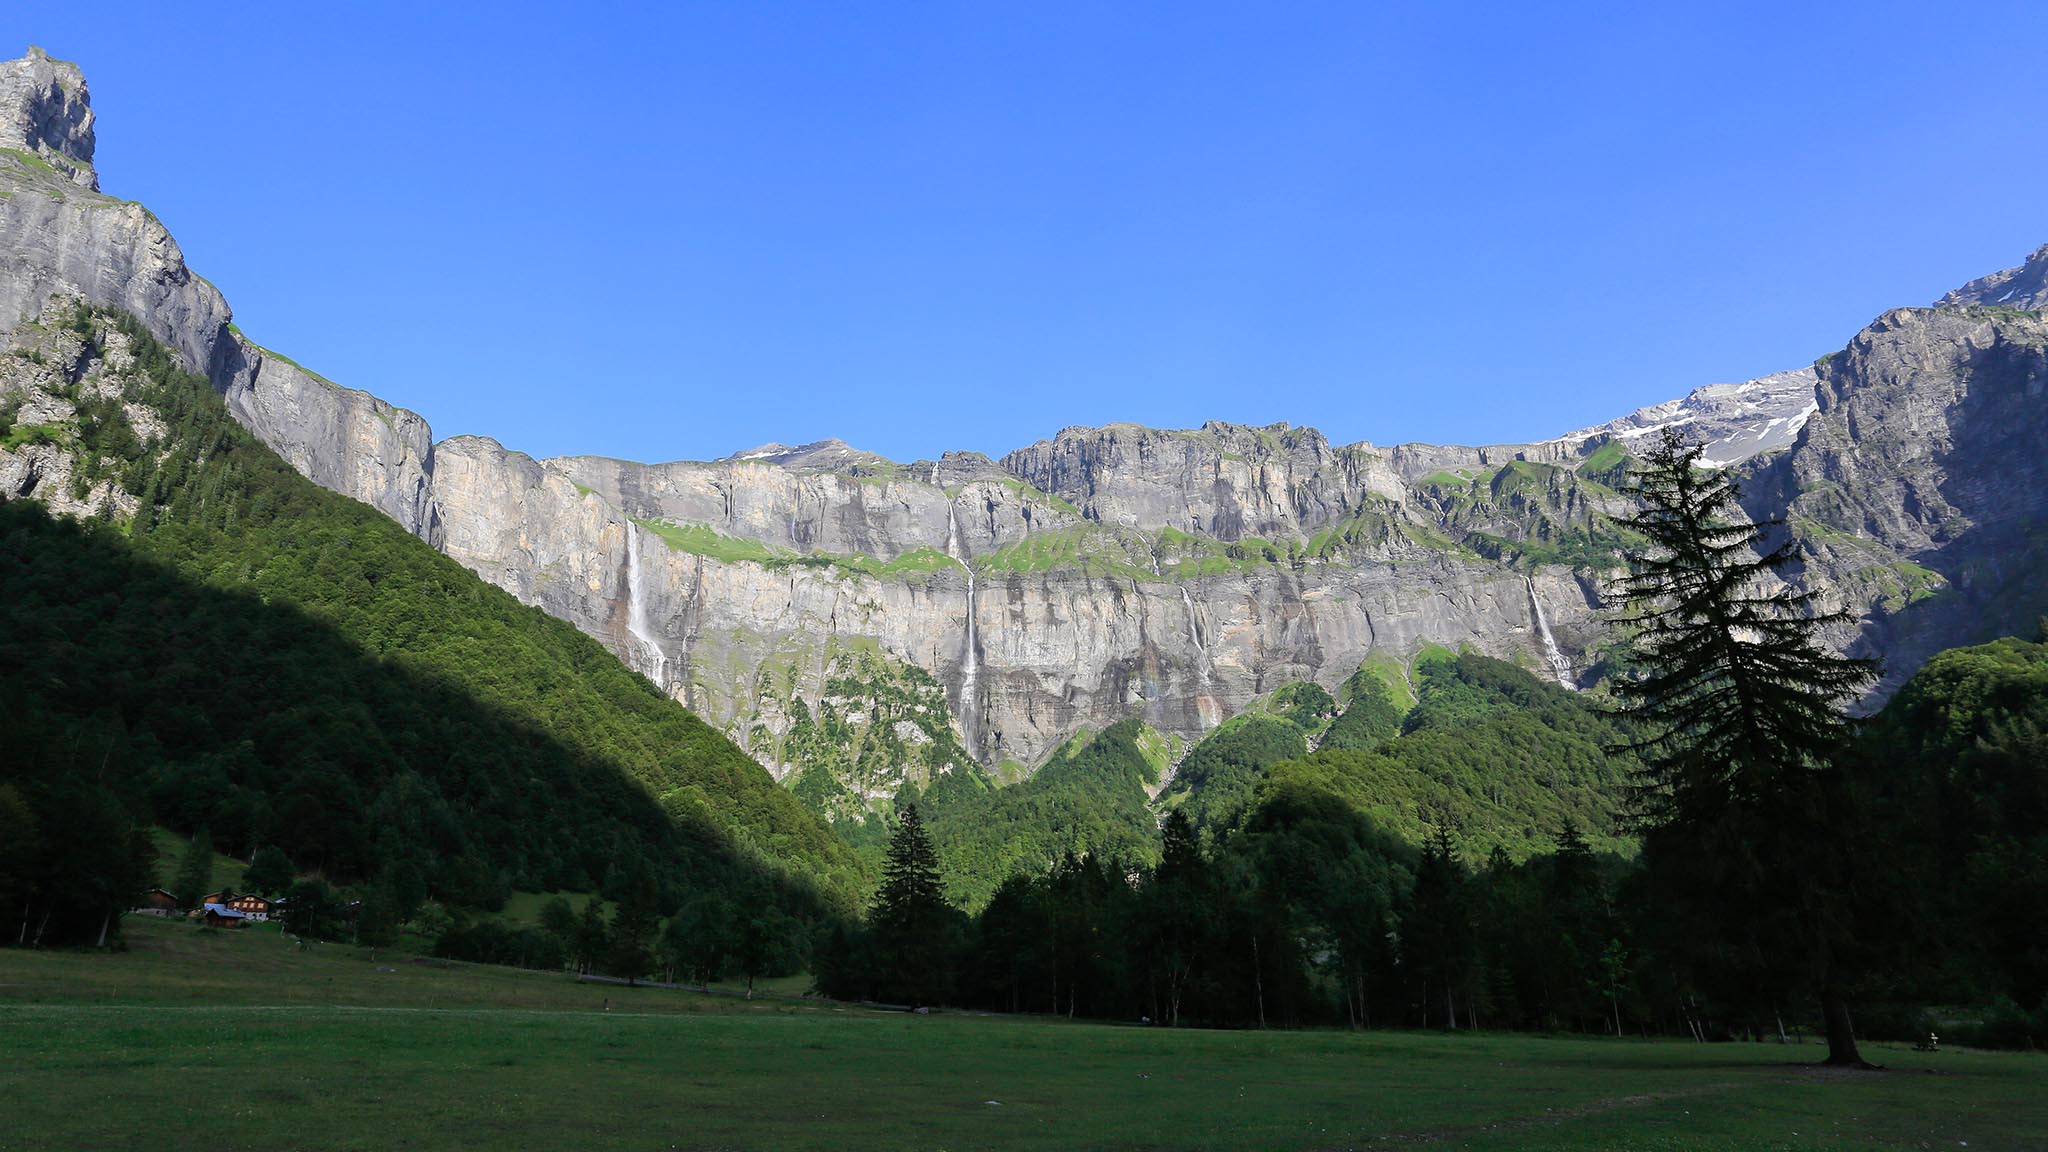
(256, 908)
(221, 916)
(158, 902)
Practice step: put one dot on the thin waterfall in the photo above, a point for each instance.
(1559, 666)
(970, 666)
(1205, 704)
(636, 612)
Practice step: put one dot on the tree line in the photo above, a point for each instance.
(1792, 863)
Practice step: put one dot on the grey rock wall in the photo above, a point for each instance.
(45, 110)
(1105, 572)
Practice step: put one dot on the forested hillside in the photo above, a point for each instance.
(1088, 801)
(1964, 748)
(1495, 754)
(225, 645)
(1308, 908)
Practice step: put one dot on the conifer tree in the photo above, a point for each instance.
(1735, 692)
(911, 917)
(1436, 934)
(1741, 714)
(1177, 907)
(195, 871)
(592, 938)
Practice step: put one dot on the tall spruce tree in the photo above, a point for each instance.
(1740, 710)
(195, 871)
(911, 918)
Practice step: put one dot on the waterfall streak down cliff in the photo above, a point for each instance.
(970, 664)
(656, 662)
(1560, 667)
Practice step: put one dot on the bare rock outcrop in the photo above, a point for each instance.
(791, 592)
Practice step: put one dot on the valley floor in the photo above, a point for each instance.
(222, 1041)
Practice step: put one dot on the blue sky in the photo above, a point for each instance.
(668, 231)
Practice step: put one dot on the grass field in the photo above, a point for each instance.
(236, 1040)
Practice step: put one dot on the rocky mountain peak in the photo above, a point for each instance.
(45, 110)
(2024, 288)
(829, 455)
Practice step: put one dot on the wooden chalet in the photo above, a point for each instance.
(158, 902)
(252, 907)
(256, 908)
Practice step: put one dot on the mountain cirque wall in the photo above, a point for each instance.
(907, 620)
(751, 573)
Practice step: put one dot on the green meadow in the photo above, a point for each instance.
(240, 1040)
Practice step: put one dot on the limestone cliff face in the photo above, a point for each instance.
(341, 438)
(45, 111)
(1224, 480)
(63, 238)
(1920, 489)
(860, 623)
(747, 577)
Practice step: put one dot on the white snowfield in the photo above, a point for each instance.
(1734, 421)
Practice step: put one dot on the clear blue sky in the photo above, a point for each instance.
(671, 231)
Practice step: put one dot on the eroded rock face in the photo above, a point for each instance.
(1228, 481)
(341, 438)
(2023, 289)
(63, 238)
(1052, 650)
(1106, 572)
(1920, 489)
(46, 111)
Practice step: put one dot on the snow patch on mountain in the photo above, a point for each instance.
(1733, 421)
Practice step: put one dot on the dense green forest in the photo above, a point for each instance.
(1500, 756)
(1488, 748)
(1088, 800)
(1311, 910)
(278, 665)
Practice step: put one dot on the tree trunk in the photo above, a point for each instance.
(1842, 1051)
(105, 921)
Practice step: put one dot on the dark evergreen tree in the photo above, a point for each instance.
(588, 949)
(1437, 940)
(195, 871)
(379, 916)
(1740, 709)
(1176, 908)
(911, 920)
